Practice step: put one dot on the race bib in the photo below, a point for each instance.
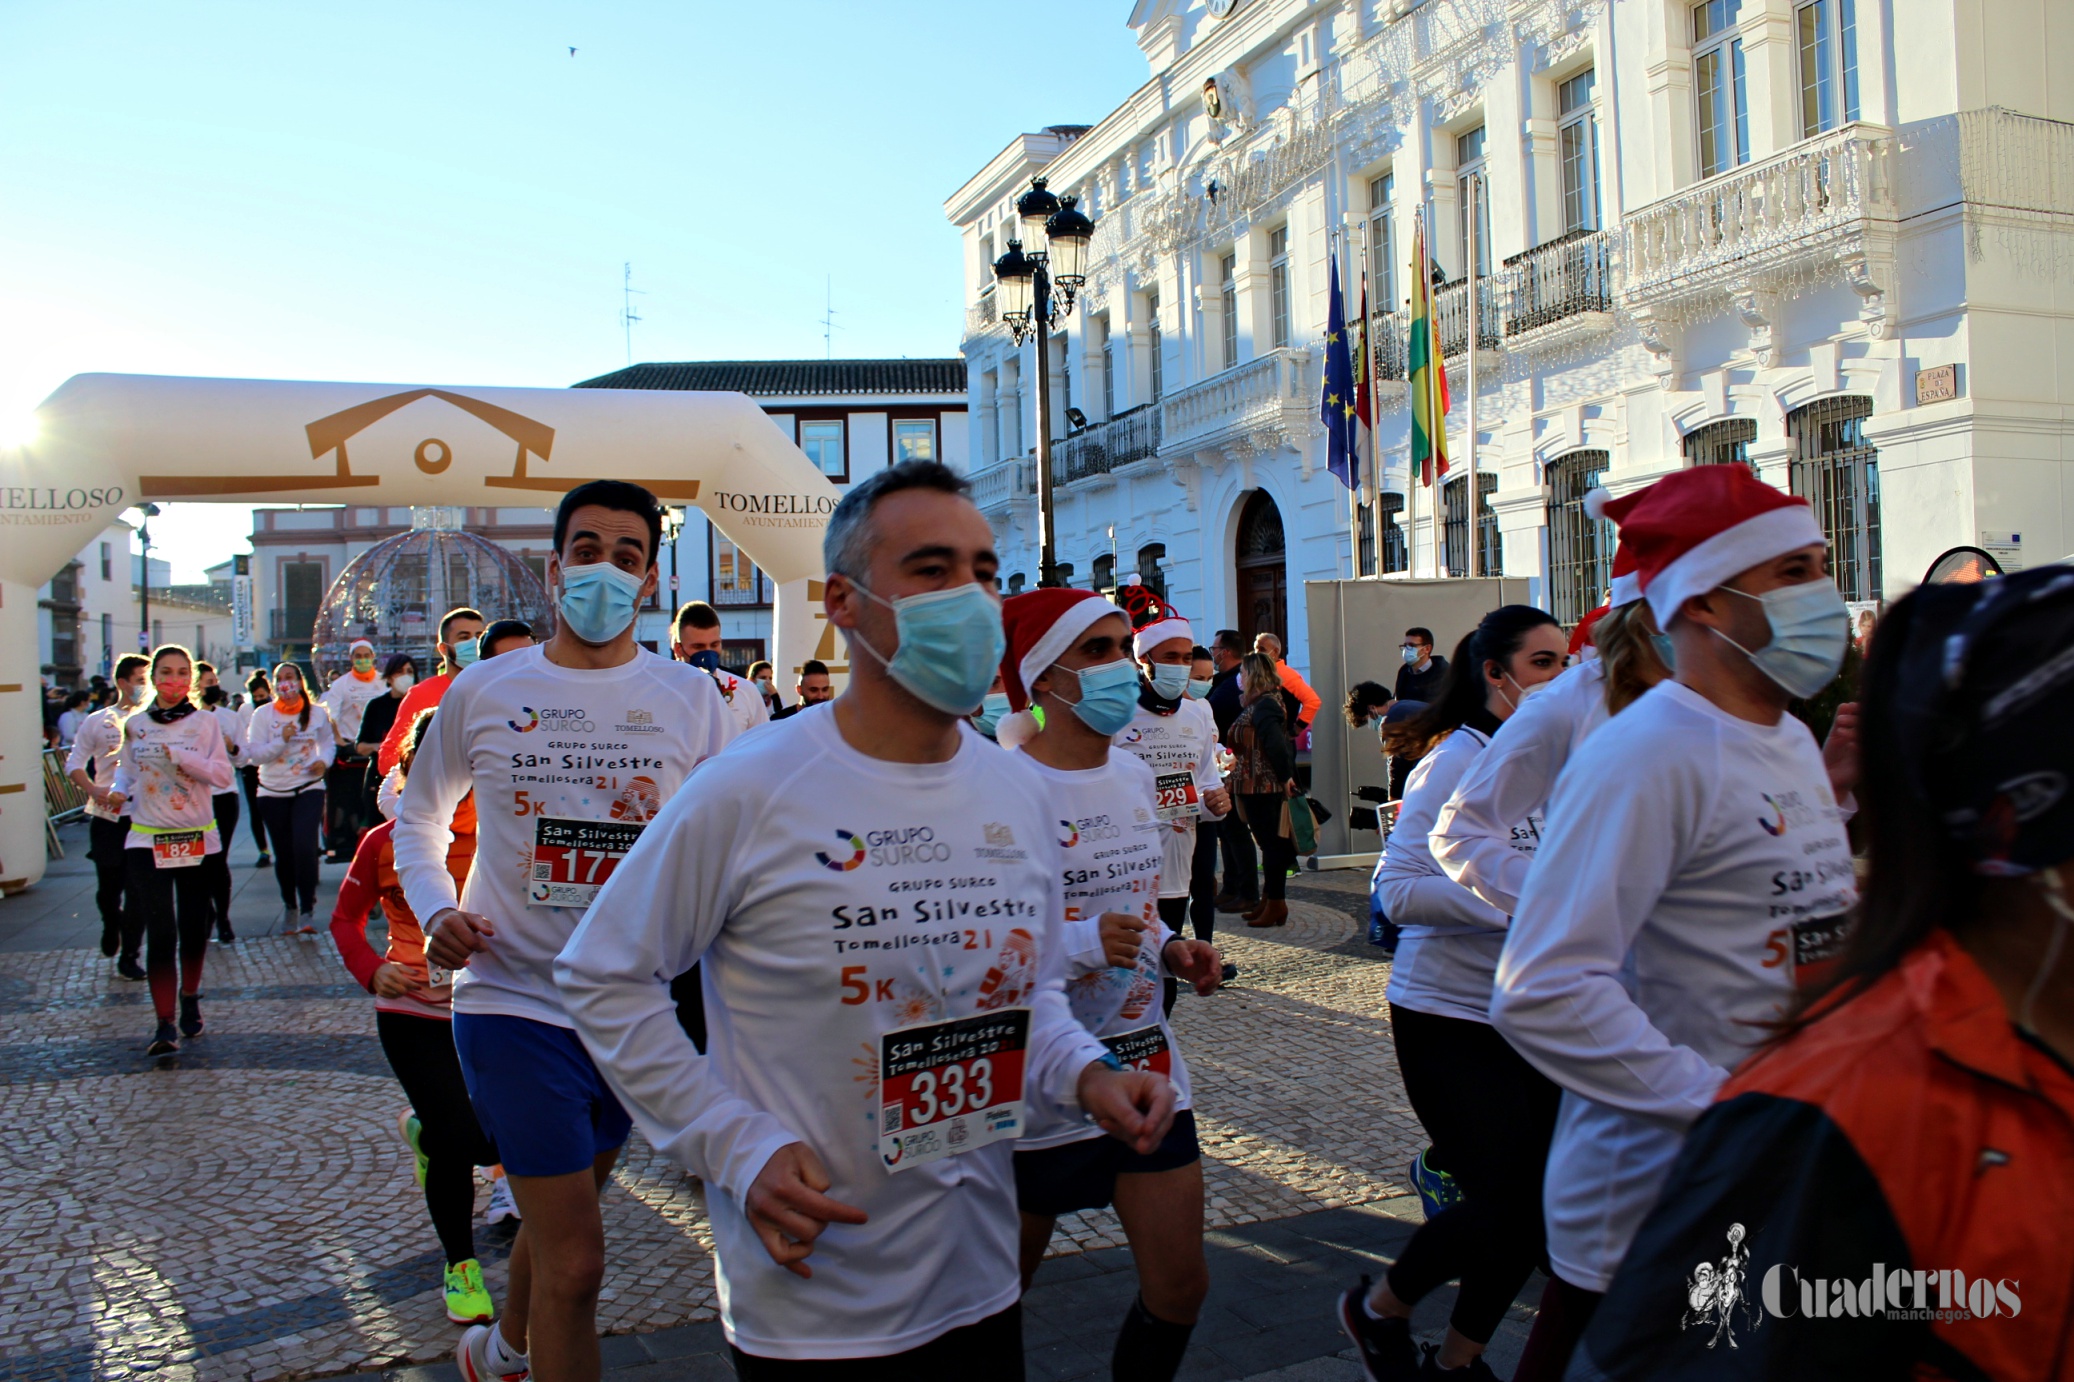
(1818, 946)
(572, 859)
(948, 1087)
(178, 849)
(1176, 797)
(1143, 1049)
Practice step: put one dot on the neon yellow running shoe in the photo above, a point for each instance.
(467, 1300)
(408, 1128)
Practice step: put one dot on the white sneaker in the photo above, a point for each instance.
(502, 1205)
(473, 1358)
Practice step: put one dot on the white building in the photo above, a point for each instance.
(1831, 239)
(89, 613)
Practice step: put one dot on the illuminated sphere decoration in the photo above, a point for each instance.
(394, 593)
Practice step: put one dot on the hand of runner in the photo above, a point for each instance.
(454, 936)
(788, 1209)
(393, 980)
(1195, 962)
(1218, 801)
(1121, 935)
(1840, 750)
(1134, 1106)
(113, 801)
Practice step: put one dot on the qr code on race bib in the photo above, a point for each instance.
(892, 1119)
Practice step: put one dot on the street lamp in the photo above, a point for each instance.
(673, 526)
(1026, 303)
(149, 512)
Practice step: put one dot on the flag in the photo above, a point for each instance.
(1364, 361)
(1429, 400)
(1336, 408)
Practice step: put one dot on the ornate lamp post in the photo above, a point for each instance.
(1029, 307)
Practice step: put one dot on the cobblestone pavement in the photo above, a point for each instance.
(246, 1210)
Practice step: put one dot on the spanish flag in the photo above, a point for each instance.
(1429, 400)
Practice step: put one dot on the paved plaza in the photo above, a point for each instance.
(246, 1209)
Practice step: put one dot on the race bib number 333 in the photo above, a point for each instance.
(573, 858)
(948, 1087)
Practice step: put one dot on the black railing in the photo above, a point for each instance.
(1392, 340)
(1451, 306)
(1127, 437)
(1559, 279)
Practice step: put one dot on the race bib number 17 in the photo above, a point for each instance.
(948, 1087)
(573, 858)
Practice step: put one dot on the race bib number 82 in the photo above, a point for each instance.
(948, 1087)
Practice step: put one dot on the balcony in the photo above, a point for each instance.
(996, 486)
(1265, 403)
(1561, 292)
(1451, 309)
(1392, 343)
(980, 317)
(1765, 225)
(1107, 446)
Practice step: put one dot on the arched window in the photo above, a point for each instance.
(1580, 547)
(1152, 573)
(1726, 442)
(1017, 582)
(1838, 471)
(1104, 578)
(1262, 570)
(1490, 556)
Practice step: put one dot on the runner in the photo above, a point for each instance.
(457, 648)
(216, 703)
(400, 676)
(993, 709)
(1489, 1113)
(91, 765)
(1226, 698)
(813, 686)
(345, 781)
(413, 1017)
(292, 743)
(890, 880)
(570, 748)
(1106, 803)
(1714, 810)
(503, 636)
(171, 759)
(258, 692)
(697, 641)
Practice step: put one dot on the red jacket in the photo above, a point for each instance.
(1912, 1129)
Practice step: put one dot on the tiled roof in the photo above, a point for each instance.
(793, 378)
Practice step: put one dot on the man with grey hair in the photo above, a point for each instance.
(871, 889)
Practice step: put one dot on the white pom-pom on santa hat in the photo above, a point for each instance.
(1013, 731)
(1595, 501)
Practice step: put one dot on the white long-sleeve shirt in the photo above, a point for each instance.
(1690, 864)
(1184, 742)
(169, 773)
(98, 742)
(568, 766)
(233, 726)
(347, 699)
(833, 898)
(745, 703)
(291, 756)
(1447, 953)
(1111, 858)
(1477, 838)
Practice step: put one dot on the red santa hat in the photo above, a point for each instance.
(1581, 636)
(1041, 625)
(1694, 529)
(1153, 620)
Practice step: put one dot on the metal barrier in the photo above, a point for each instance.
(63, 800)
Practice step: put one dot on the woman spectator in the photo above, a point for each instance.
(1263, 778)
(258, 692)
(764, 678)
(399, 675)
(292, 742)
(216, 704)
(1908, 1138)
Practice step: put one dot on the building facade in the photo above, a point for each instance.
(92, 612)
(1753, 232)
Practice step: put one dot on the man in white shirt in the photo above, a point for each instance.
(1694, 865)
(347, 699)
(571, 747)
(696, 640)
(98, 742)
(874, 889)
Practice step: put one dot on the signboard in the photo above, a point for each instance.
(1937, 384)
(2006, 548)
(241, 604)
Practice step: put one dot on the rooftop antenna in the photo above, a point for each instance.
(828, 322)
(627, 315)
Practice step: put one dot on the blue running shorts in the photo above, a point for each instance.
(537, 1094)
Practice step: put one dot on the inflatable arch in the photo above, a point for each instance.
(104, 442)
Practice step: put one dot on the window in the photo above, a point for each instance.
(1580, 547)
(736, 581)
(1108, 373)
(1103, 578)
(107, 639)
(1017, 582)
(1395, 557)
(1489, 555)
(738, 655)
(1726, 442)
(1153, 341)
(1364, 540)
(1475, 201)
(107, 563)
(1827, 31)
(1228, 305)
(1577, 146)
(1278, 286)
(914, 441)
(1717, 79)
(822, 440)
(1837, 470)
(1151, 574)
(1382, 251)
(302, 590)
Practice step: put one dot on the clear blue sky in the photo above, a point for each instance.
(442, 193)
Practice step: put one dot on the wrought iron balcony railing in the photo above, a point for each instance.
(1451, 306)
(1563, 278)
(1127, 437)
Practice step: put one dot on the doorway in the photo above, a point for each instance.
(1261, 559)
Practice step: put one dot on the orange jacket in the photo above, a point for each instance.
(372, 879)
(1296, 686)
(1911, 1131)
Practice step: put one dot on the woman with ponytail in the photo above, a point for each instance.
(292, 742)
(1489, 1113)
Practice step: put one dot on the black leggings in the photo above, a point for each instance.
(345, 783)
(218, 864)
(1491, 1117)
(291, 822)
(1236, 842)
(991, 1348)
(1277, 853)
(119, 905)
(421, 1052)
(250, 777)
(175, 903)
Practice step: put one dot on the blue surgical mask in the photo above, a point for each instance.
(1170, 680)
(1108, 695)
(1409, 654)
(598, 601)
(467, 651)
(1811, 627)
(992, 711)
(1199, 689)
(705, 659)
(1666, 652)
(950, 645)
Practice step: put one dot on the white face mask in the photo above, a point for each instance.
(403, 681)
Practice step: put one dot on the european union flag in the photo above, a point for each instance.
(1337, 410)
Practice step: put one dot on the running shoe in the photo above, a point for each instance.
(190, 1014)
(1475, 1370)
(409, 1128)
(1385, 1347)
(1437, 1189)
(130, 969)
(474, 1361)
(166, 1042)
(467, 1300)
(308, 924)
(502, 1205)
(111, 939)
(224, 935)
(264, 861)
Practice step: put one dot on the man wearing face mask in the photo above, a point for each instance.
(697, 641)
(874, 891)
(458, 630)
(571, 747)
(345, 783)
(95, 746)
(1423, 671)
(813, 686)
(1693, 868)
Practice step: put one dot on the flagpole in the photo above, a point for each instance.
(1375, 458)
(1476, 191)
(1414, 474)
(1353, 454)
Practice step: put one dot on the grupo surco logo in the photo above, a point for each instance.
(776, 510)
(906, 844)
(846, 862)
(555, 721)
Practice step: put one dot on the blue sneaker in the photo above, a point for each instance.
(1437, 1189)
